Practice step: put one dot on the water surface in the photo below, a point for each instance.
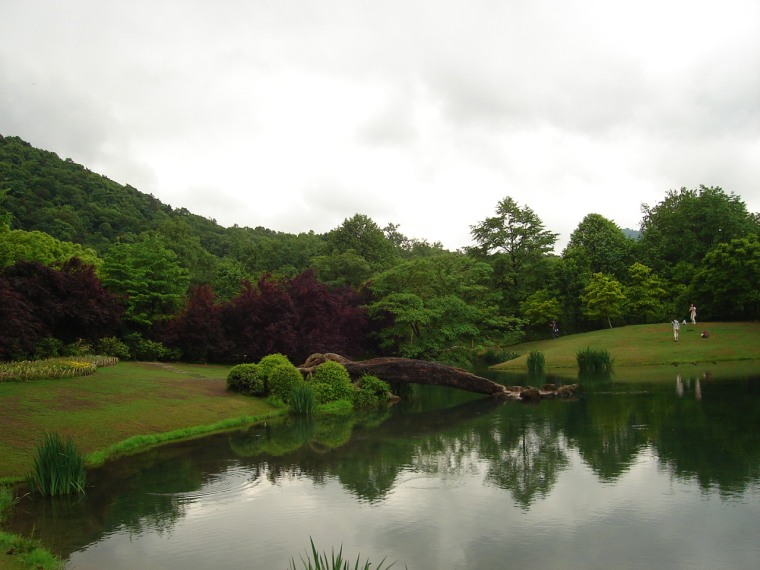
(647, 471)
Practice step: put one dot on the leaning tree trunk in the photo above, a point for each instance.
(408, 370)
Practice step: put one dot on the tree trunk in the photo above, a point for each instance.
(407, 370)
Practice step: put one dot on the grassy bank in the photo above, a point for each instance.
(120, 408)
(647, 345)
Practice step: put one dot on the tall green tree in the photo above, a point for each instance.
(603, 298)
(726, 284)
(599, 245)
(645, 294)
(149, 277)
(682, 228)
(516, 244)
(364, 237)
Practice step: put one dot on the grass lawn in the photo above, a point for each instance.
(135, 400)
(646, 345)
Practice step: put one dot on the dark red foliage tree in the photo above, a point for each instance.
(326, 321)
(260, 320)
(67, 304)
(19, 329)
(198, 331)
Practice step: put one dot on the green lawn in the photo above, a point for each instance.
(129, 400)
(647, 345)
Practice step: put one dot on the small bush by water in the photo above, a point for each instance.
(58, 468)
(283, 379)
(593, 360)
(331, 382)
(320, 561)
(247, 379)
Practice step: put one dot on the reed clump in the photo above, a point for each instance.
(336, 561)
(303, 400)
(536, 362)
(58, 467)
(592, 360)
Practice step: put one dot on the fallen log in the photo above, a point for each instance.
(396, 370)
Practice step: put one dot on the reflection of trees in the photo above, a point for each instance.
(712, 440)
(529, 465)
(604, 429)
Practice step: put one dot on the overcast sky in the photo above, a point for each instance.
(297, 114)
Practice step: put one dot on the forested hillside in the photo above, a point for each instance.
(87, 262)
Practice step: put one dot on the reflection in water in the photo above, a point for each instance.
(441, 459)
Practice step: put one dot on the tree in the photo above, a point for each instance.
(645, 294)
(688, 223)
(197, 331)
(19, 245)
(603, 298)
(727, 282)
(600, 245)
(515, 243)
(149, 278)
(541, 308)
(365, 238)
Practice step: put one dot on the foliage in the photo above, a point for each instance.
(645, 294)
(603, 298)
(148, 277)
(197, 332)
(282, 380)
(688, 223)
(541, 307)
(600, 246)
(363, 237)
(303, 401)
(536, 362)
(40, 302)
(39, 247)
(727, 281)
(112, 346)
(58, 468)
(371, 392)
(247, 379)
(149, 350)
(592, 360)
(320, 561)
(515, 243)
(25, 370)
(330, 381)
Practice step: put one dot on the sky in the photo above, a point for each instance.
(295, 115)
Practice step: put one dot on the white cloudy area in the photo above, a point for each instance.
(296, 115)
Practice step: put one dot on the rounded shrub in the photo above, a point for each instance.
(330, 381)
(270, 361)
(371, 393)
(283, 379)
(246, 379)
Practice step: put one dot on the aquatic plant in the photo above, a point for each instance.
(320, 561)
(58, 467)
(594, 360)
(536, 362)
(303, 401)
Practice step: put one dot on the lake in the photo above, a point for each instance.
(649, 469)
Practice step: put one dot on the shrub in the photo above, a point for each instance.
(592, 360)
(303, 400)
(371, 393)
(270, 362)
(536, 362)
(48, 347)
(331, 381)
(246, 379)
(150, 350)
(112, 346)
(282, 380)
(58, 467)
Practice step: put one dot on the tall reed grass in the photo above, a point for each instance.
(303, 401)
(592, 360)
(58, 468)
(320, 561)
(536, 362)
